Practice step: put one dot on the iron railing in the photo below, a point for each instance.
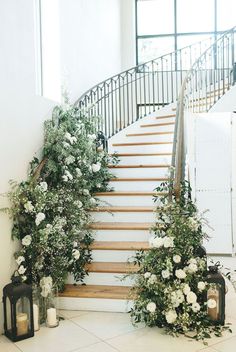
(204, 84)
(139, 91)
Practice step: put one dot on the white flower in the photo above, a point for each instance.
(23, 278)
(21, 270)
(177, 297)
(180, 274)
(78, 203)
(151, 307)
(69, 160)
(76, 254)
(92, 137)
(191, 297)
(165, 274)
(20, 259)
(86, 192)
(39, 218)
(65, 178)
(70, 138)
(65, 145)
(201, 285)
(75, 244)
(171, 316)
(26, 240)
(177, 258)
(78, 172)
(93, 201)
(152, 279)
(73, 140)
(192, 268)
(99, 185)
(192, 261)
(147, 275)
(168, 242)
(96, 167)
(46, 285)
(44, 186)
(193, 224)
(186, 289)
(211, 303)
(28, 207)
(68, 175)
(156, 242)
(196, 307)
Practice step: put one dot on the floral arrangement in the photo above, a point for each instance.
(171, 284)
(50, 210)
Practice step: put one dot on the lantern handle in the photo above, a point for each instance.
(15, 278)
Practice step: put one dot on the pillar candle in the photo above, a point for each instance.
(36, 316)
(52, 317)
(22, 324)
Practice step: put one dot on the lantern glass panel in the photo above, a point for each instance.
(23, 321)
(8, 315)
(216, 295)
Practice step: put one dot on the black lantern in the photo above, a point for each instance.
(18, 310)
(216, 296)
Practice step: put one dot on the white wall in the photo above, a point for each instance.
(128, 42)
(90, 42)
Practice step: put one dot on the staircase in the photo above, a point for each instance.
(146, 131)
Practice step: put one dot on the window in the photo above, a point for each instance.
(163, 26)
(48, 49)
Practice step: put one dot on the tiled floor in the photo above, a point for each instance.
(109, 332)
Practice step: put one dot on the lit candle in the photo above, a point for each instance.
(52, 317)
(36, 316)
(22, 324)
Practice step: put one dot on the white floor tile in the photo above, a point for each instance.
(226, 335)
(7, 346)
(226, 346)
(66, 337)
(68, 314)
(105, 325)
(153, 340)
(98, 347)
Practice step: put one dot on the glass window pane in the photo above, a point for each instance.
(186, 40)
(155, 17)
(152, 48)
(226, 10)
(195, 16)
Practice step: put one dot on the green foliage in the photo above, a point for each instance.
(50, 210)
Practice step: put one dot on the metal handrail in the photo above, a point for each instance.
(134, 93)
(211, 75)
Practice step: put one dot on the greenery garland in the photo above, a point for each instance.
(50, 210)
(171, 285)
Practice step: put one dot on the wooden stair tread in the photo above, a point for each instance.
(116, 209)
(139, 143)
(118, 179)
(97, 291)
(119, 246)
(148, 134)
(158, 124)
(165, 116)
(129, 193)
(121, 225)
(139, 154)
(111, 267)
(138, 166)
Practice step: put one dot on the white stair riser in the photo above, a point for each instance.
(105, 279)
(148, 138)
(95, 304)
(148, 186)
(122, 235)
(124, 217)
(141, 172)
(111, 256)
(149, 159)
(156, 148)
(126, 200)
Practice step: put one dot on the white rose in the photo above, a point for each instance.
(177, 258)
(75, 244)
(192, 261)
(86, 192)
(26, 240)
(165, 274)
(156, 242)
(180, 274)
(179, 296)
(96, 167)
(69, 160)
(78, 172)
(20, 259)
(191, 297)
(76, 254)
(28, 207)
(44, 186)
(196, 307)
(99, 185)
(65, 178)
(78, 203)
(211, 303)
(23, 278)
(201, 285)
(151, 307)
(21, 270)
(68, 175)
(168, 242)
(93, 201)
(147, 275)
(192, 268)
(186, 289)
(39, 218)
(171, 316)
(152, 279)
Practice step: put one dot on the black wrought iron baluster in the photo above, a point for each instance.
(223, 65)
(172, 80)
(132, 95)
(153, 87)
(116, 106)
(112, 109)
(120, 112)
(158, 87)
(144, 90)
(127, 99)
(162, 83)
(167, 81)
(136, 94)
(149, 91)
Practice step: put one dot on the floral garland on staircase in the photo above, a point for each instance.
(50, 210)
